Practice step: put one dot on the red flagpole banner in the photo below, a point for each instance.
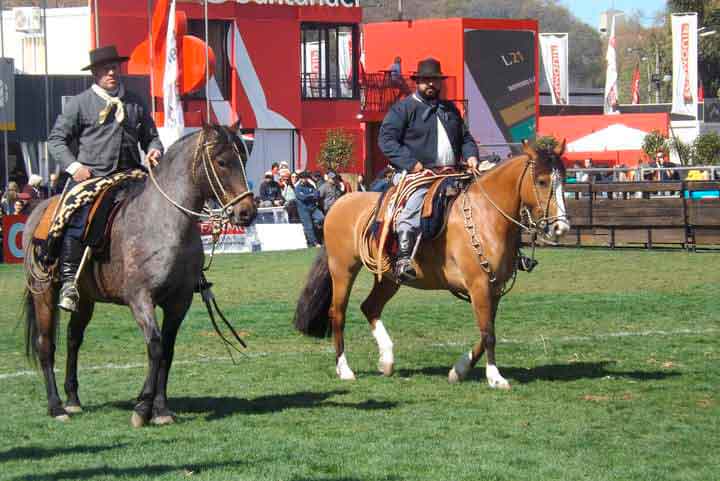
(636, 86)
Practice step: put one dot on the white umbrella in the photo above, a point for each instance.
(613, 137)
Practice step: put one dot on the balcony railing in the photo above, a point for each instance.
(380, 90)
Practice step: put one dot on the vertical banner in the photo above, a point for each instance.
(554, 49)
(636, 86)
(7, 94)
(611, 86)
(685, 68)
(172, 105)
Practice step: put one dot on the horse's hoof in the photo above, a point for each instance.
(454, 377)
(162, 420)
(62, 418)
(346, 376)
(136, 420)
(386, 368)
(499, 384)
(74, 408)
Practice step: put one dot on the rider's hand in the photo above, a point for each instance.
(418, 167)
(472, 163)
(153, 157)
(83, 173)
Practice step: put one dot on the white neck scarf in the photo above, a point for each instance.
(110, 101)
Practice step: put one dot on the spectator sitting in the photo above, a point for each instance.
(361, 183)
(19, 207)
(275, 170)
(33, 187)
(7, 204)
(310, 214)
(270, 192)
(330, 191)
(384, 181)
(344, 185)
(317, 179)
(294, 178)
(53, 187)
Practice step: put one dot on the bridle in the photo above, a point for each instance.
(203, 158)
(526, 223)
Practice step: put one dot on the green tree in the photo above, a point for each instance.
(653, 143)
(337, 150)
(707, 149)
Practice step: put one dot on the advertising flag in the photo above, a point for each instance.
(554, 48)
(172, 105)
(685, 68)
(611, 86)
(636, 86)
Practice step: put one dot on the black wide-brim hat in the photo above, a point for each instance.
(428, 68)
(104, 55)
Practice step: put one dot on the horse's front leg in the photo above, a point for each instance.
(143, 310)
(485, 304)
(173, 317)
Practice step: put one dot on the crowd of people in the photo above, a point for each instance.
(659, 169)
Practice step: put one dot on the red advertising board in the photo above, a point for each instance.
(13, 227)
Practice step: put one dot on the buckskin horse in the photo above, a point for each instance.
(474, 256)
(155, 259)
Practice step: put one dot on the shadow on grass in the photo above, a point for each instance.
(339, 479)
(131, 472)
(221, 407)
(36, 452)
(551, 372)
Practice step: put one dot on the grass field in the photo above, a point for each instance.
(613, 358)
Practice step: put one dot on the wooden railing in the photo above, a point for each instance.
(614, 214)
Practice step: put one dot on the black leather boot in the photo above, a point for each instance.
(404, 270)
(70, 257)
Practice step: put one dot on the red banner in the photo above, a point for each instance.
(636, 86)
(13, 227)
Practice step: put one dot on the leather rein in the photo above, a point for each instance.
(203, 157)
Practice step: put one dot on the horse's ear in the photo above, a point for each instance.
(528, 149)
(560, 148)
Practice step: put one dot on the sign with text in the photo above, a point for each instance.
(296, 3)
(13, 227)
(685, 67)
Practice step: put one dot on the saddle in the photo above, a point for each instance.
(442, 192)
(106, 194)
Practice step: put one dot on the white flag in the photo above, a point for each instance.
(172, 105)
(554, 48)
(611, 86)
(685, 68)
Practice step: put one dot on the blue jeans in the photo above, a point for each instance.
(309, 216)
(409, 218)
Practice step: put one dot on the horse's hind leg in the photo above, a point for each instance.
(343, 277)
(372, 307)
(45, 314)
(75, 335)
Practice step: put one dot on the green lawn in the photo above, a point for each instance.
(613, 358)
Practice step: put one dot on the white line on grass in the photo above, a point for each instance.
(203, 360)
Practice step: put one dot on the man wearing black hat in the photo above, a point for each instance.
(107, 123)
(423, 132)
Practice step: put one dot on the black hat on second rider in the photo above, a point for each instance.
(103, 55)
(428, 68)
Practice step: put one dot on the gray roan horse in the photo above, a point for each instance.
(156, 259)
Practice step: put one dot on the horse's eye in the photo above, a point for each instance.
(542, 183)
(221, 162)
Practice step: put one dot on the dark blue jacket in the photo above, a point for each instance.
(409, 133)
(270, 191)
(307, 195)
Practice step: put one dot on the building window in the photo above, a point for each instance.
(218, 31)
(328, 60)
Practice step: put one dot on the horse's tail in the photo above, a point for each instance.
(312, 316)
(31, 322)
(31, 329)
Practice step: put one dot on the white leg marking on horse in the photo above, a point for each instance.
(495, 380)
(343, 369)
(460, 369)
(385, 346)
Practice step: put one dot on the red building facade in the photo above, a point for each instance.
(287, 70)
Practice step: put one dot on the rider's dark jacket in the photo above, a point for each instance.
(102, 147)
(409, 132)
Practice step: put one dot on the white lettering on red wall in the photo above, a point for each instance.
(297, 3)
